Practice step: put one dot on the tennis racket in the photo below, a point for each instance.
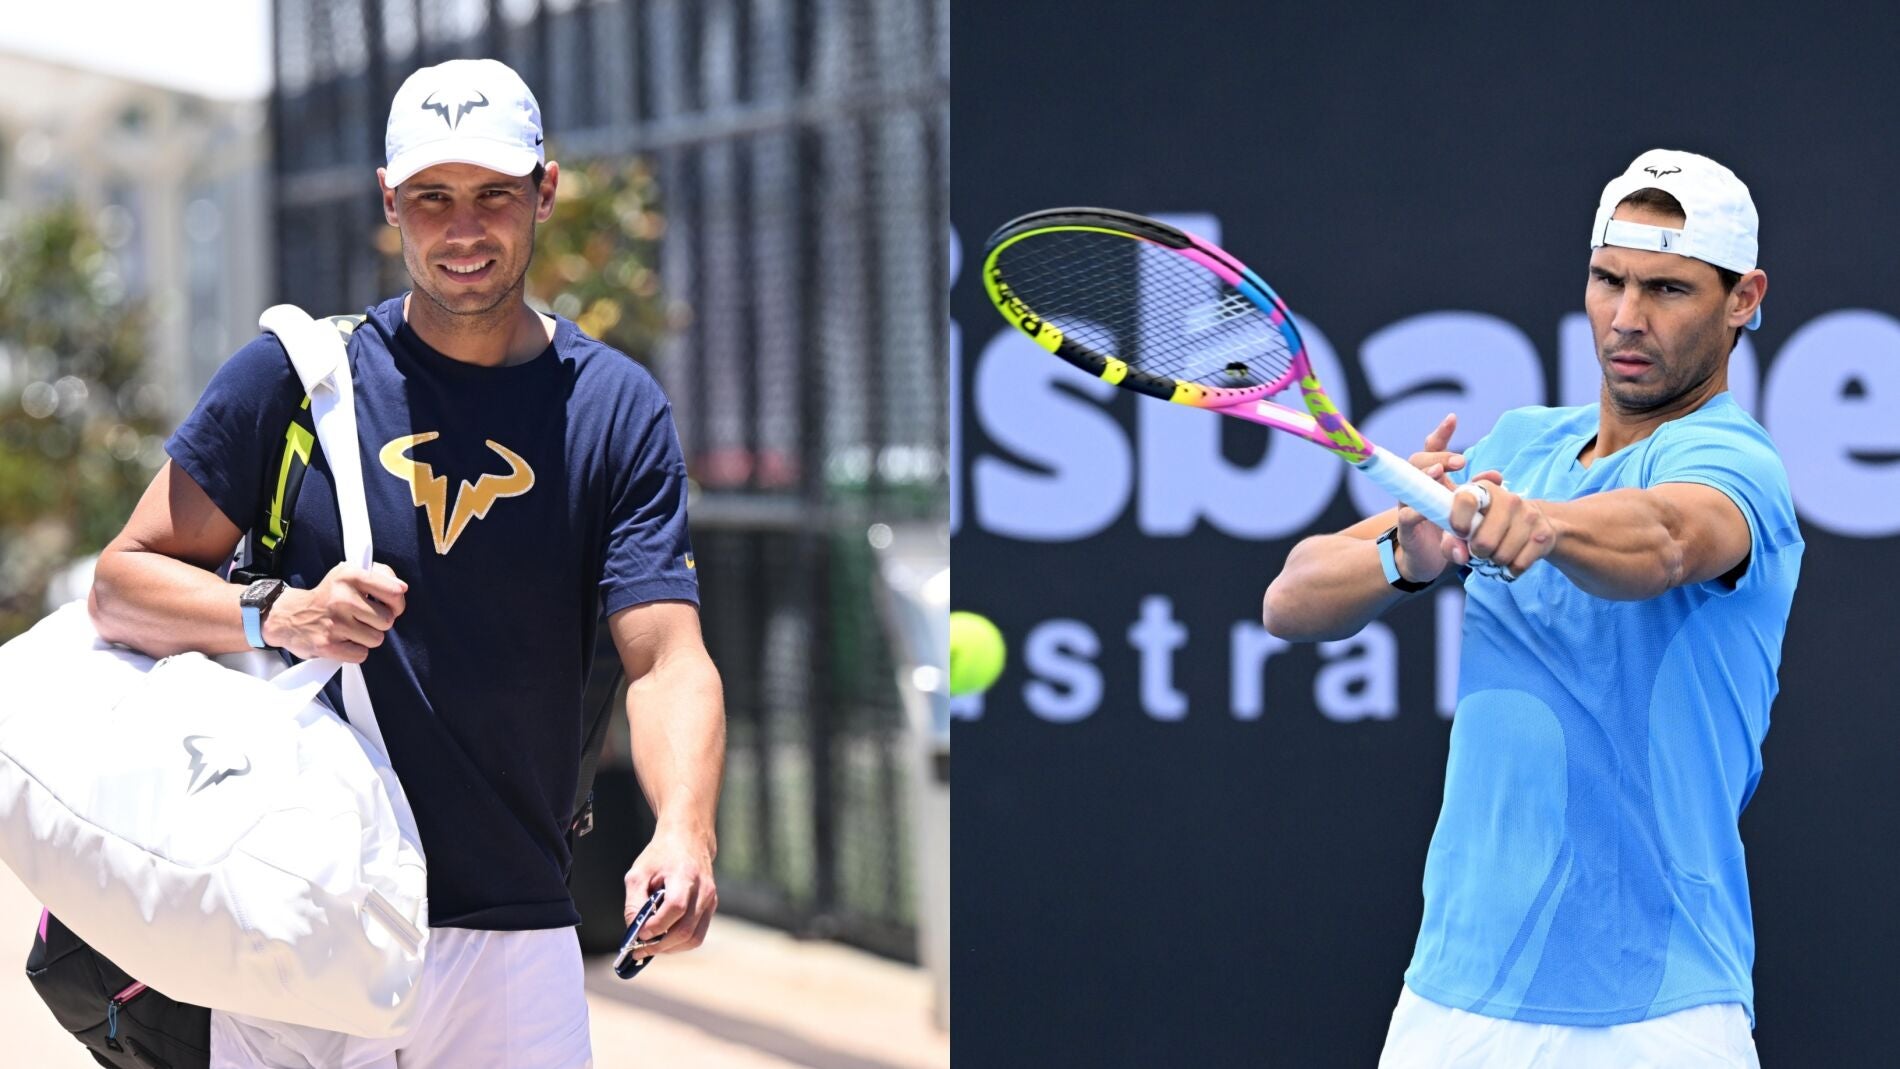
(1156, 310)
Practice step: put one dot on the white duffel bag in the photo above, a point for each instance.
(224, 838)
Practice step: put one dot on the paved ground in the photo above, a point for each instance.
(751, 998)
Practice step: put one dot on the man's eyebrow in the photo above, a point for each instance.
(1644, 280)
(1668, 280)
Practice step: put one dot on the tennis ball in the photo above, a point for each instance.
(977, 653)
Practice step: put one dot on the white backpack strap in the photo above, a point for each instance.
(322, 363)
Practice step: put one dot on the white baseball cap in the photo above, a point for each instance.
(1719, 227)
(475, 111)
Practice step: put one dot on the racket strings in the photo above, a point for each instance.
(1154, 309)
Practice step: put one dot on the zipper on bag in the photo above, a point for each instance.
(112, 1013)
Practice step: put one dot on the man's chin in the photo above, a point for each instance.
(1639, 397)
(466, 303)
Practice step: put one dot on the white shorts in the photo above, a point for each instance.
(1426, 1035)
(489, 1000)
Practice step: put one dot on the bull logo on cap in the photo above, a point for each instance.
(1660, 171)
(463, 107)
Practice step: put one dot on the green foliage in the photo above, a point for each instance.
(78, 424)
(597, 260)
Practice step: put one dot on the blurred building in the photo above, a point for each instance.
(178, 185)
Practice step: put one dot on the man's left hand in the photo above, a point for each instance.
(682, 863)
(1516, 532)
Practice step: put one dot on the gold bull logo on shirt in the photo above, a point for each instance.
(431, 491)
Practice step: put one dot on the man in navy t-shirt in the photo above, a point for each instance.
(523, 480)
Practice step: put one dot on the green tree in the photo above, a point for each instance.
(78, 422)
(597, 260)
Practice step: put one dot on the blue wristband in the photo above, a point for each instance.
(256, 600)
(1389, 562)
(254, 627)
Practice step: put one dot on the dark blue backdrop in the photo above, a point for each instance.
(1171, 851)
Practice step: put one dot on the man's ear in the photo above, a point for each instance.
(389, 196)
(544, 203)
(1746, 297)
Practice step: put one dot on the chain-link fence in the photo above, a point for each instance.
(801, 153)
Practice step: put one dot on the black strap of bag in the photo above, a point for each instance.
(591, 747)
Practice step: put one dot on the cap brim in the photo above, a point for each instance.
(494, 155)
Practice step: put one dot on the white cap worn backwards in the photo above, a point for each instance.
(1720, 225)
(464, 111)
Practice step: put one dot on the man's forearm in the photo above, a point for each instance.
(1331, 587)
(676, 714)
(160, 605)
(1624, 545)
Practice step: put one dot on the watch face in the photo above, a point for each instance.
(261, 592)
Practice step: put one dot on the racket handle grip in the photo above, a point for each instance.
(1397, 476)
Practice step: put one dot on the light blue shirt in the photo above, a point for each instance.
(1587, 868)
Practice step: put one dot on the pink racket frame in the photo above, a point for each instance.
(1321, 423)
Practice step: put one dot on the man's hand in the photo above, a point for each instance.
(1422, 555)
(1516, 532)
(342, 619)
(682, 863)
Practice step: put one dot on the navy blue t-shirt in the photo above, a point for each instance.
(519, 504)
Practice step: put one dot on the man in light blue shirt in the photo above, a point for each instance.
(1586, 898)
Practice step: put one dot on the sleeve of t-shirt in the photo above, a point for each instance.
(649, 556)
(237, 427)
(1741, 463)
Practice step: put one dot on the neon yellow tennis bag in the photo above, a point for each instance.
(223, 837)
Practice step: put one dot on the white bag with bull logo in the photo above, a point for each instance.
(224, 838)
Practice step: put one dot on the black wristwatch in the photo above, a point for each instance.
(1388, 560)
(256, 601)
